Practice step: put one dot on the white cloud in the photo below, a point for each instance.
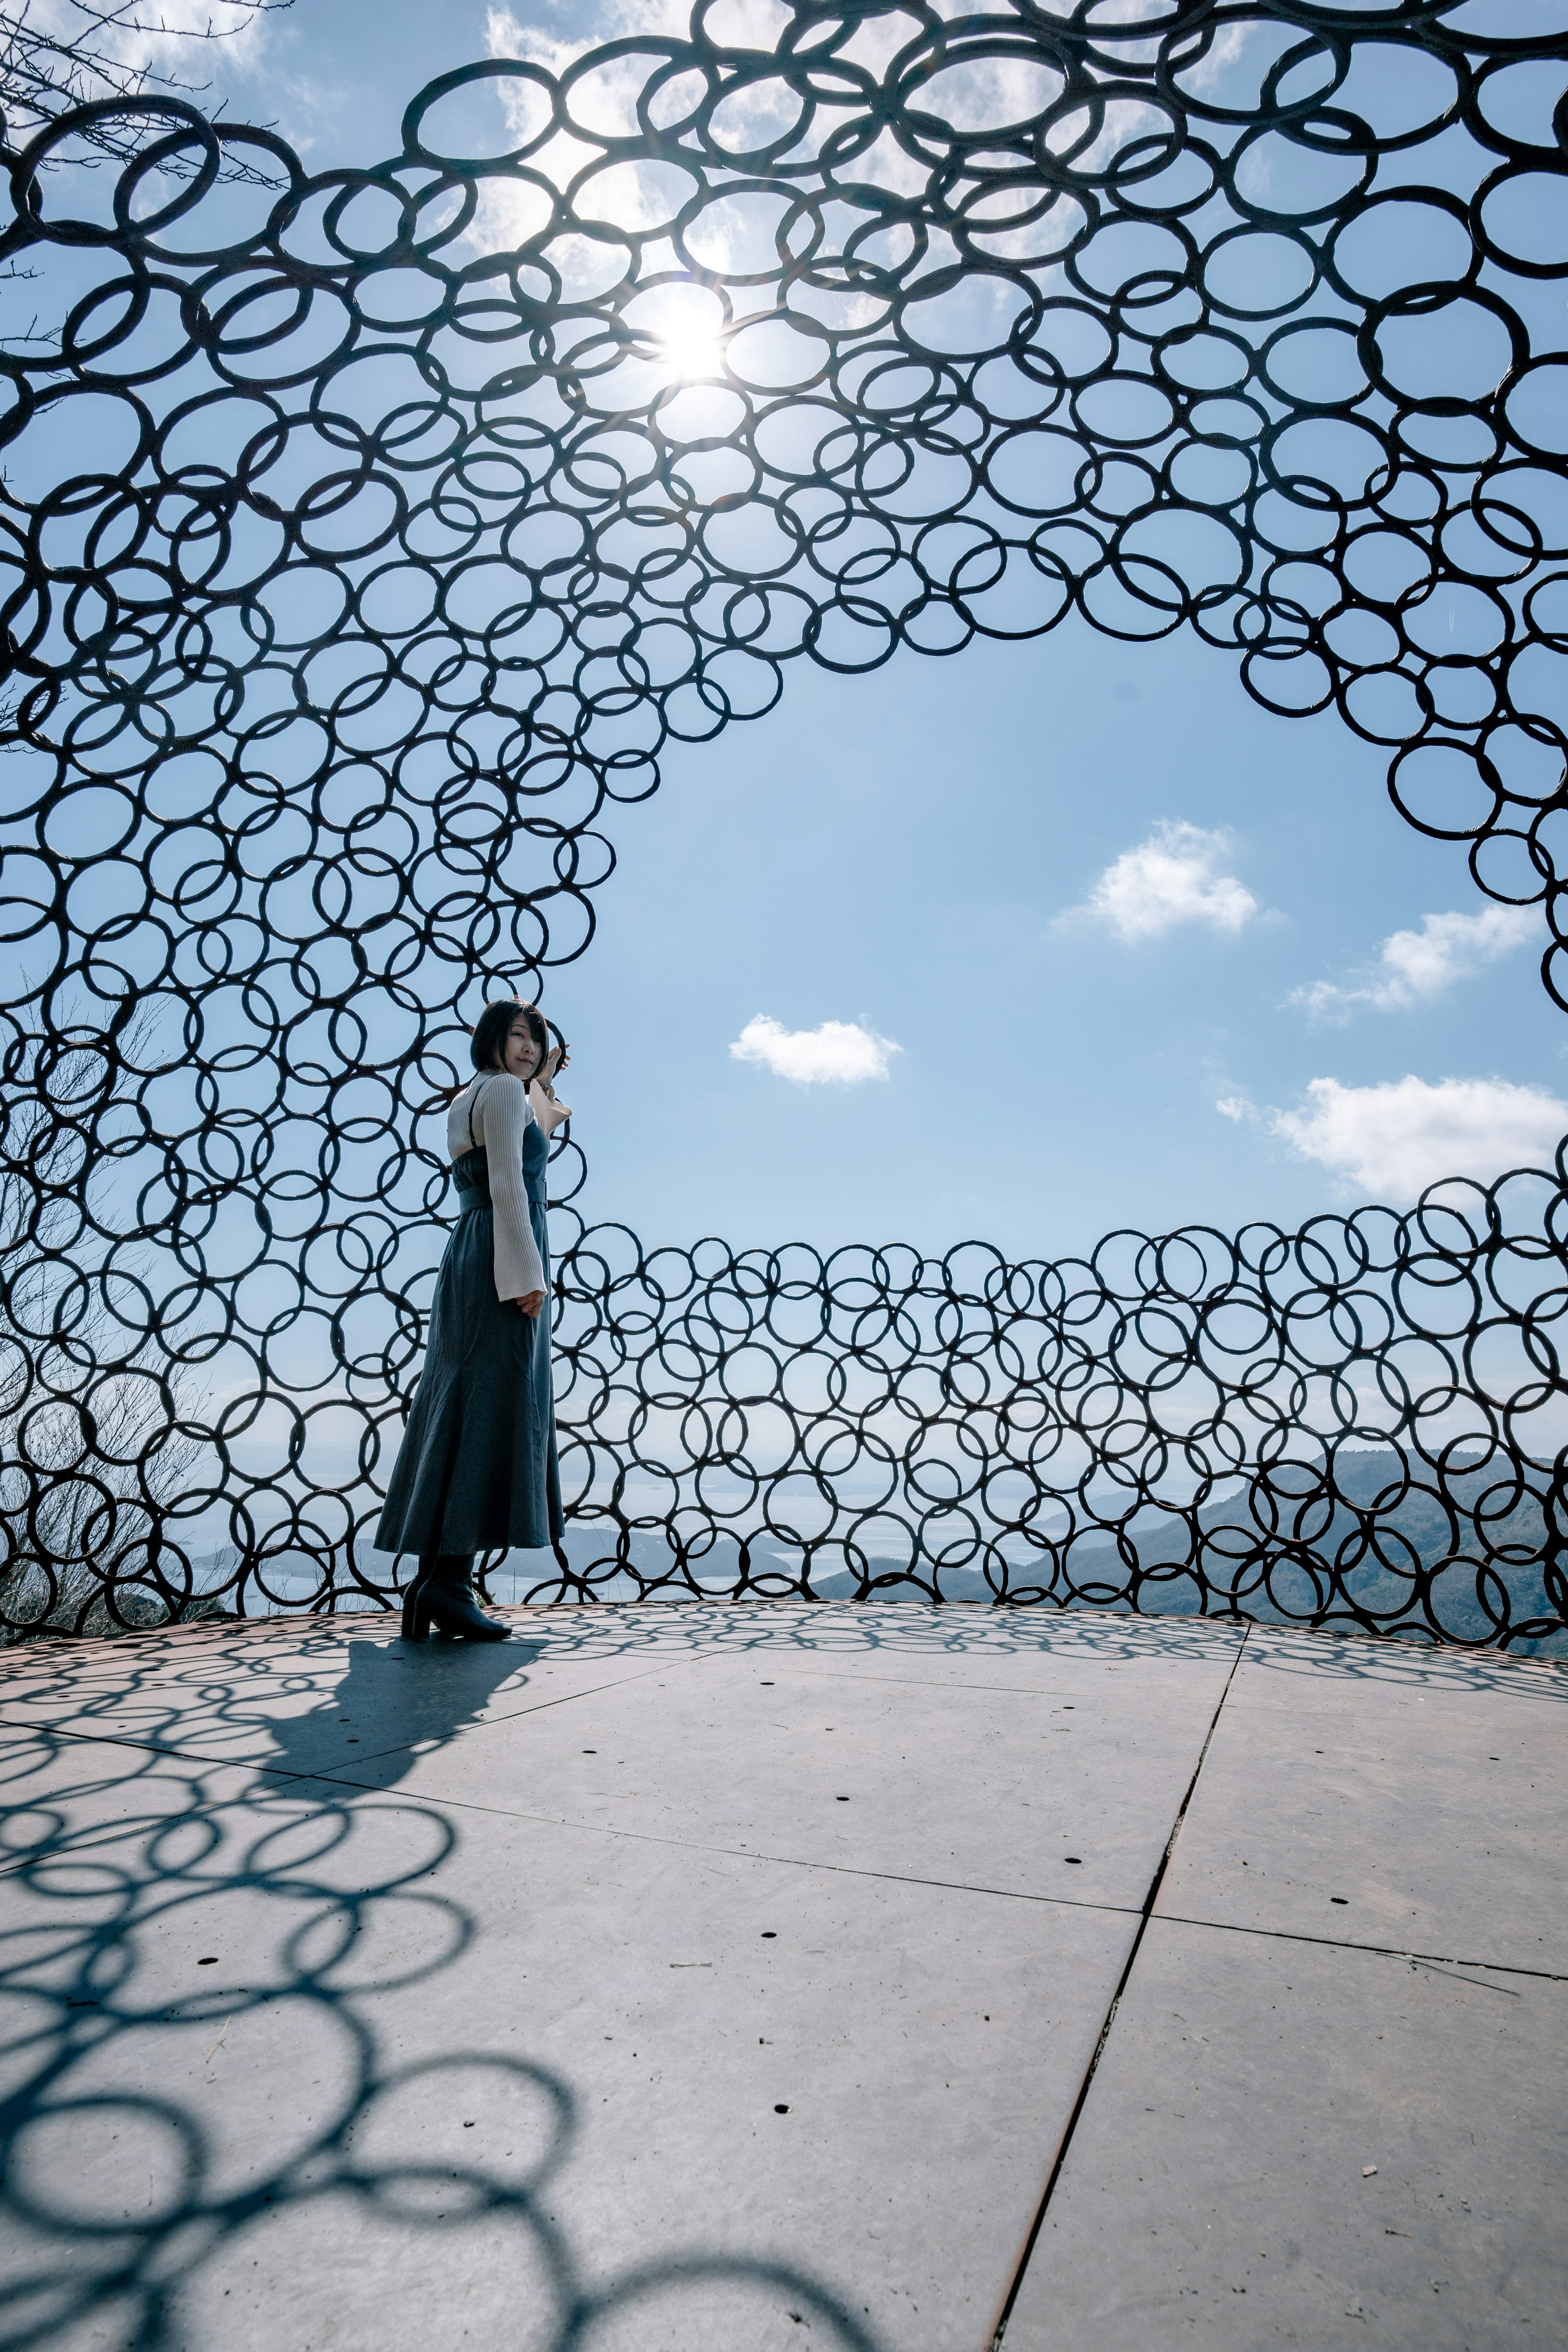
(1176, 876)
(1393, 1140)
(1414, 966)
(974, 93)
(641, 195)
(839, 1052)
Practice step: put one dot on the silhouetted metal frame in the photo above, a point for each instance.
(385, 554)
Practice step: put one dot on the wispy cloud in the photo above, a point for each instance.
(839, 1052)
(1414, 966)
(1391, 1140)
(1177, 875)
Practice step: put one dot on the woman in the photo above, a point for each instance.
(477, 1466)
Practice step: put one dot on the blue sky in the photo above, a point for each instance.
(899, 851)
(903, 853)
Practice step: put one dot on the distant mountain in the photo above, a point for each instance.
(1268, 1568)
(1403, 1538)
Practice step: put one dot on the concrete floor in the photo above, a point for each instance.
(680, 1977)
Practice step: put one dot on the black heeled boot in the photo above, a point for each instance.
(412, 1631)
(446, 1601)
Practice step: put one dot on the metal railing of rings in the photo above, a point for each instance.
(367, 534)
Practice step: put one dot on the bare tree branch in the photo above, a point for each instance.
(58, 55)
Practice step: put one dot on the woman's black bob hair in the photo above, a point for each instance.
(493, 1026)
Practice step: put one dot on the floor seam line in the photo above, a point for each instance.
(734, 1853)
(292, 1771)
(598, 1829)
(335, 1779)
(1375, 1951)
(918, 1682)
(154, 1748)
(67, 1847)
(492, 1723)
(1026, 2254)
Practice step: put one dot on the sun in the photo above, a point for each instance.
(680, 327)
(689, 351)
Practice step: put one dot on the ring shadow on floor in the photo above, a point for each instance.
(241, 2151)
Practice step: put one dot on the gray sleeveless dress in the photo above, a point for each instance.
(477, 1468)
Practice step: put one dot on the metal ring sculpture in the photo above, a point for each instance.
(364, 541)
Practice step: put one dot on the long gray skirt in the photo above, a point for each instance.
(476, 1467)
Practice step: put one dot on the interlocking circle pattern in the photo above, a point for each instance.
(365, 536)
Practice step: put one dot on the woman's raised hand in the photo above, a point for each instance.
(530, 1302)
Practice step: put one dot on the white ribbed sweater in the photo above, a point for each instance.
(494, 1113)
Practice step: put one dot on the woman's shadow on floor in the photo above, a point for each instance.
(394, 1702)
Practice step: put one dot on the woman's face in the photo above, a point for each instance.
(521, 1055)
